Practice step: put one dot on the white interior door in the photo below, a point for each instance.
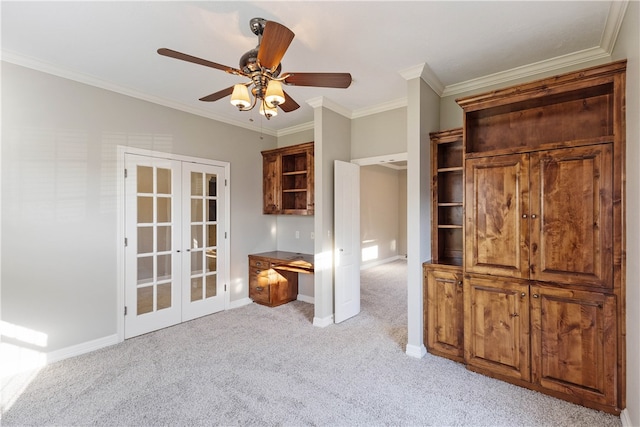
(176, 265)
(347, 240)
(152, 224)
(203, 239)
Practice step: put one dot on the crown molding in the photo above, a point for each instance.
(295, 129)
(425, 73)
(380, 108)
(322, 101)
(529, 70)
(45, 67)
(617, 11)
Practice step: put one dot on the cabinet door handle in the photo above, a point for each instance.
(534, 216)
(524, 216)
(523, 294)
(536, 296)
(259, 288)
(514, 315)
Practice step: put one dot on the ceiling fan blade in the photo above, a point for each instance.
(276, 38)
(218, 95)
(337, 80)
(289, 104)
(184, 57)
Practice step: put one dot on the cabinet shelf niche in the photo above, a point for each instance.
(288, 180)
(447, 204)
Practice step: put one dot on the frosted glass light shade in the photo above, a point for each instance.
(274, 95)
(267, 110)
(240, 96)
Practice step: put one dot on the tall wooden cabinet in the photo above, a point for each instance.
(443, 297)
(288, 180)
(543, 252)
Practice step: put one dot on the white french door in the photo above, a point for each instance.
(175, 267)
(202, 237)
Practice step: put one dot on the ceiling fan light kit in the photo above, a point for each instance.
(262, 67)
(240, 97)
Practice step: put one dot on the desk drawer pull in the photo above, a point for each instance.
(258, 271)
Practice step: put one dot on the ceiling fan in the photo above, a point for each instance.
(263, 69)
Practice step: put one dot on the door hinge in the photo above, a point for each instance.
(126, 241)
(225, 182)
(225, 287)
(125, 173)
(225, 234)
(125, 310)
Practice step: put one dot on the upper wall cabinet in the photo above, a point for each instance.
(288, 186)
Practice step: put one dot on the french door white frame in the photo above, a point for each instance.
(120, 235)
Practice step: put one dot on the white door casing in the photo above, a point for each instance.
(346, 240)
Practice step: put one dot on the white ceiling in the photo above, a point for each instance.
(454, 46)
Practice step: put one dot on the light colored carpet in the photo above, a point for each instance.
(271, 367)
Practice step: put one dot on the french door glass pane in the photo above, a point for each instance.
(164, 238)
(145, 209)
(212, 211)
(196, 210)
(196, 236)
(196, 289)
(145, 179)
(145, 239)
(212, 236)
(213, 185)
(196, 262)
(212, 265)
(212, 286)
(164, 209)
(196, 184)
(164, 181)
(164, 296)
(145, 300)
(145, 269)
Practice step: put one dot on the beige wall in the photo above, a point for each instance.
(379, 134)
(381, 212)
(59, 207)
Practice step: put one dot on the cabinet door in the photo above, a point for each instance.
(496, 330)
(573, 342)
(445, 318)
(571, 216)
(496, 210)
(271, 183)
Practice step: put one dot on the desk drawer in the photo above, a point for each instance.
(259, 263)
(260, 293)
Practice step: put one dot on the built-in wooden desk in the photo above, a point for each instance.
(273, 276)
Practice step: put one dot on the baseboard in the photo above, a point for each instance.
(240, 303)
(417, 351)
(323, 322)
(381, 261)
(624, 417)
(85, 347)
(306, 298)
